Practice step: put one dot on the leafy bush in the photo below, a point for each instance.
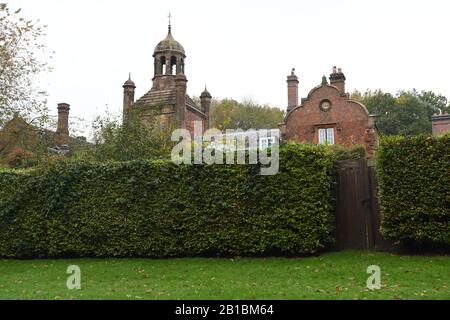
(349, 153)
(131, 140)
(157, 209)
(414, 183)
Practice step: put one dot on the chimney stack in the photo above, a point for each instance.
(180, 89)
(205, 100)
(440, 124)
(62, 132)
(128, 96)
(337, 79)
(292, 81)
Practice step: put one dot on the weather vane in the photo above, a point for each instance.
(170, 17)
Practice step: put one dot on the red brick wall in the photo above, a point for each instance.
(349, 118)
(440, 124)
(292, 95)
(292, 83)
(189, 121)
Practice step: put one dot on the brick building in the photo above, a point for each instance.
(440, 124)
(20, 140)
(328, 115)
(167, 99)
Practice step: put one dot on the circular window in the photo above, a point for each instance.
(325, 105)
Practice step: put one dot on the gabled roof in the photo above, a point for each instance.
(167, 97)
(157, 98)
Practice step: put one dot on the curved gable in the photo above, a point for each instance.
(328, 115)
(322, 90)
(322, 86)
(360, 105)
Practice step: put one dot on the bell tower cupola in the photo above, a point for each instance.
(169, 56)
(167, 100)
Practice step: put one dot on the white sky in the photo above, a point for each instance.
(241, 48)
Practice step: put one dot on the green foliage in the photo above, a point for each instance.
(353, 152)
(434, 103)
(158, 209)
(414, 184)
(230, 114)
(408, 113)
(134, 140)
(403, 114)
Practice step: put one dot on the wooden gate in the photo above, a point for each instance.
(357, 210)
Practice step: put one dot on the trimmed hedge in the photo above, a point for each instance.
(158, 209)
(414, 188)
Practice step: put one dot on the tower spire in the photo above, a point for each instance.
(170, 22)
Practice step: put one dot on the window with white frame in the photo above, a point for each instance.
(266, 142)
(326, 136)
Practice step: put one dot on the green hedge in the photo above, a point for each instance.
(158, 209)
(414, 185)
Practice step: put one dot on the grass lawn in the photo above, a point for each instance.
(337, 275)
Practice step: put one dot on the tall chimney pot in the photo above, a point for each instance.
(292, 84)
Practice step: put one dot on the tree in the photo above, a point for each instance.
(405, 114)
(408, 116)
(21, 61)
(230, 114)
(133, 140)
(357, 95)
(435, 103)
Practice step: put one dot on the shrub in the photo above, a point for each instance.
(414, 183)
(157, 209)
(131, 140)
(349, 153)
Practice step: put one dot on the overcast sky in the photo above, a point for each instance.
(241, 48)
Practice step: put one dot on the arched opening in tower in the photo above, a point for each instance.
(173, 65)
(163, 66)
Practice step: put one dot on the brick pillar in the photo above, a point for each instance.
(180, 87)
(337, 79)
(292, 84)
(168, 66)
(62, 131)
(178, 66)
(155, 66)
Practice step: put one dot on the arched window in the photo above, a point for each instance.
(163, 65)
(173, 63)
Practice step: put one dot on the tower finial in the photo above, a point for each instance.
(170, 21)
(129, 76)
